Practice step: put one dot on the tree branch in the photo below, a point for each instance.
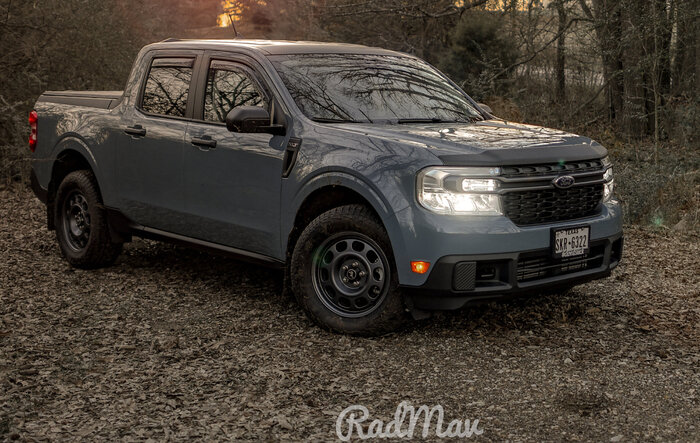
(535, 53)
(605, 85)
(402, 10)
(586, 9)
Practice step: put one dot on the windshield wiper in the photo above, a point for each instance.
(333, 120)
(420, 120)
(402, 121)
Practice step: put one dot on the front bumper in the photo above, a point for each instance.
(519, 256)
(458, 280)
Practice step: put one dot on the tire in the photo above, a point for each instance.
(343, 273)
(81, 223)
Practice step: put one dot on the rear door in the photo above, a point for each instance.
(149, 167)
(232, 180)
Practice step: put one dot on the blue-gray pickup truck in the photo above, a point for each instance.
(381, 188)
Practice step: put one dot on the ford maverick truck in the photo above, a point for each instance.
(380, 187)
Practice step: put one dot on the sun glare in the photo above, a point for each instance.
(233, 9)
(232, 12)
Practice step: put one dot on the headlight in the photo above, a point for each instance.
(459, 191)
(609, 181)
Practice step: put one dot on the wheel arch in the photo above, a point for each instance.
(71, 155)
(330, 191)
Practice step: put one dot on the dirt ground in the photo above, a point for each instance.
(174, 343)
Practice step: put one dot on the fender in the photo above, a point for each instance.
(364, 188)
(74, 142)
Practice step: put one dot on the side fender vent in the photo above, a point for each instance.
(290, 156)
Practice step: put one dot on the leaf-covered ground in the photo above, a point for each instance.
(173, 343)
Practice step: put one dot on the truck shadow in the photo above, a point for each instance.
(524, 313)
(223, 274)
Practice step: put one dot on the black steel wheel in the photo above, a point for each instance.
(343, 275)
(81, 223)
(76, 220)
(349, 274)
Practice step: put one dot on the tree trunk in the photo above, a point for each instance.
(665, 36)
(635, 19)
(686, 68)
(608, 28)
(561, 53)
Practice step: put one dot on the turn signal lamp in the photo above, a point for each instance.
(420, 267)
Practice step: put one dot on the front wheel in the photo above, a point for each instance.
(81, 223)
(343, 274)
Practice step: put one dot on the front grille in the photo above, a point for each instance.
(552, 205)
(529, 195)
(552, 169)
(541, 264)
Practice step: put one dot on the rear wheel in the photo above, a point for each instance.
(81, 224)
(342, 273)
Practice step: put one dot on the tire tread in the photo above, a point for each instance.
(391, 316)
(101, 251)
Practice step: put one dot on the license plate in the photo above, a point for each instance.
(570, 242)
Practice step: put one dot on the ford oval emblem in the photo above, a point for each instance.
(563, 182)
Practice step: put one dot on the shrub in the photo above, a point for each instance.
(479, 50)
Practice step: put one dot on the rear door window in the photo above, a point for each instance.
(167, 87)
(229, 85)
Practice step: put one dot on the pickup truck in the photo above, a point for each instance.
(379, 186)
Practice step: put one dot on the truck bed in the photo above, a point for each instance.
(92, 99)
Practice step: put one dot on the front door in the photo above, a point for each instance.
(232, 180)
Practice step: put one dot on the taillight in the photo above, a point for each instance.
(33, 119)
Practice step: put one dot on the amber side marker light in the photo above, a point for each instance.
(420, 267)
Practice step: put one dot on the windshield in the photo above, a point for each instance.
(372, 88)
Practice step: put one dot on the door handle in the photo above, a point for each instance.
(204, 142)
(136, 130)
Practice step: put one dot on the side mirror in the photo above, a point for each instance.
(252, 119)
(485, 107)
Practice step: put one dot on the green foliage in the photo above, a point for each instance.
(660, 194)
(657, 185)
(480, 53)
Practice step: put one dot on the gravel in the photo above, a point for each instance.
(174, 343)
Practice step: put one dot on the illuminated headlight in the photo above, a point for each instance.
(459, 191)
(609, 183)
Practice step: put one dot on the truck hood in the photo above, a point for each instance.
(491, 142)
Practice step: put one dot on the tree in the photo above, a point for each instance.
(479, 49)
(562, 23)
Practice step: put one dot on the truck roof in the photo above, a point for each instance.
(274, 47)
